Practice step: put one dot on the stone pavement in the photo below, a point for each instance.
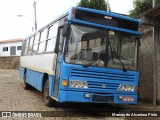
(13, 97)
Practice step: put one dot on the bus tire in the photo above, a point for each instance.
(26, 85)
(47, 99)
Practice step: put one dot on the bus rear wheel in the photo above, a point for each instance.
(47, 99)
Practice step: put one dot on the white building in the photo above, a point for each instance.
(10, 47)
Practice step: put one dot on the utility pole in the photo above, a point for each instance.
(154, 49)
(35, 15)
(153, 3)
(107, 5)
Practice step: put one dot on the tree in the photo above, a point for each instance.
(141, 6)
(94, 4)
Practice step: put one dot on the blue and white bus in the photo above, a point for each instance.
(85, 55)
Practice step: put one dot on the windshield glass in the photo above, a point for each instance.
(122, 50)
(102, 48)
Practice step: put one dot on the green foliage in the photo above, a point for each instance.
(94, 4)
(84, 3)
(141, 6)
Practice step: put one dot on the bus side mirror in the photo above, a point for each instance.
(65, 31)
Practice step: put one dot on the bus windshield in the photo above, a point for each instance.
(101, 48)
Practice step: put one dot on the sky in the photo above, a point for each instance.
(12, 27)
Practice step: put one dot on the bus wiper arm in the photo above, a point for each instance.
(115, 54)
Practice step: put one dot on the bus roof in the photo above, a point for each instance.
(107, 14)
(104, 19)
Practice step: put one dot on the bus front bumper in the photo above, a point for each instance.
(74, 96)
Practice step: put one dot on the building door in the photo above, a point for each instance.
(13, 50)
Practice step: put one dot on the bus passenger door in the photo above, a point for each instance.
(58, 50)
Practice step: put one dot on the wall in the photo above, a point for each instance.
(158, 69)
(145, 66)
(7, 53)
(11, 62)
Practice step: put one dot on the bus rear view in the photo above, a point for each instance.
(96, 57)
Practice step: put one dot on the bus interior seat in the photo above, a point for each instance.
(92, 56)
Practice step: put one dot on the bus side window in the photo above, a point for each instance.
(60, 46)
(35, 45)
(52, 36)
(42, 41)
(30, 45)
(26, 47)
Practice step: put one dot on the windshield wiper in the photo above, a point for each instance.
(115, 54)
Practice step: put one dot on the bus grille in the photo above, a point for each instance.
(106, 80)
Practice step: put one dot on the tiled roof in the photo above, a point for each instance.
(153, 12)
(11, 40)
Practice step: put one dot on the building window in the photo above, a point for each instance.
(19, 47)
(5, 49)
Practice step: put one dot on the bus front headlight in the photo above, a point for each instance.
(78, 84)
(128, 88)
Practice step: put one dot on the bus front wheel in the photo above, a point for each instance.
(47, 99)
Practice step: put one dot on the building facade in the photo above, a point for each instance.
(11, 47)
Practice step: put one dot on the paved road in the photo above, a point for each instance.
(14, 98)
